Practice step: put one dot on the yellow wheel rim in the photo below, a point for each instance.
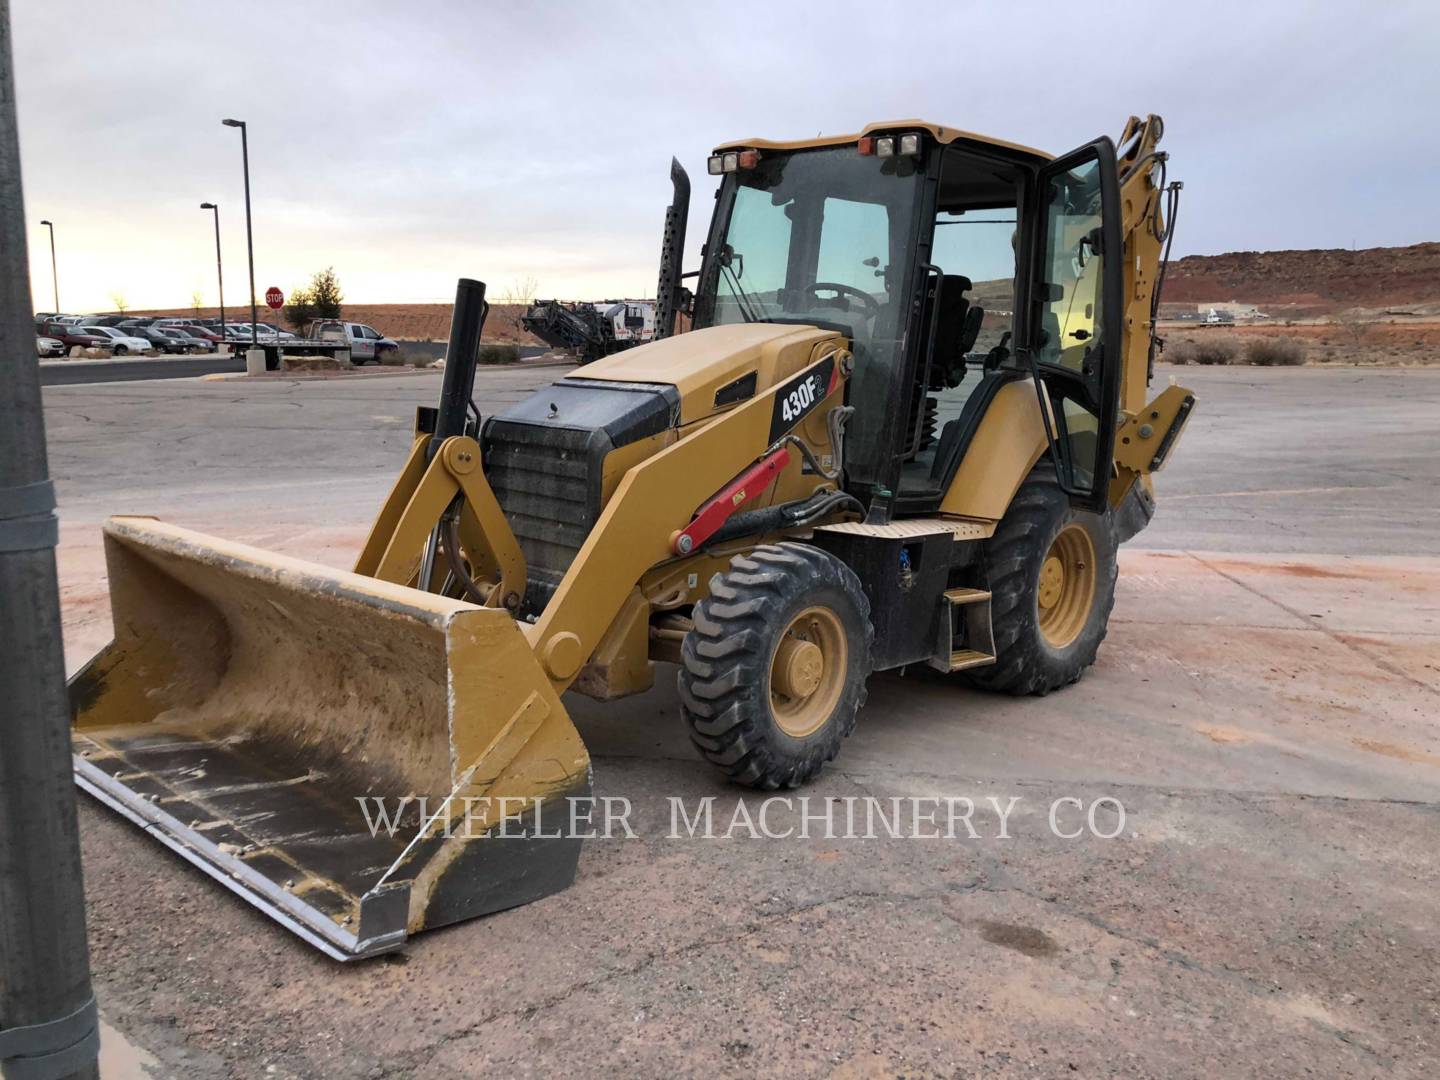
(807, 671)
(1066, 589)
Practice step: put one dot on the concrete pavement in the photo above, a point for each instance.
(1263, 710)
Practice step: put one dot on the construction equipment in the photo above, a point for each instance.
(591, 330)
(846, 466)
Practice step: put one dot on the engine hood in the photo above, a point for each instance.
(713, 368)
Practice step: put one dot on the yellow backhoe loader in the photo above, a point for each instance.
(908, 424)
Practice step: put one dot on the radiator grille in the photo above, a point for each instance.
(547, 494)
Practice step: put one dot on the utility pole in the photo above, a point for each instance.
(54, 274)
(48, 1025)
(249, 235)
(219, 268)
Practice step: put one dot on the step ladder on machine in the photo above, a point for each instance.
(965, 638)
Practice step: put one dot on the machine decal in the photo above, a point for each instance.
(800, 397)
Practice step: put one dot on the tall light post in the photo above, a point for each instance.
(48, 1022)
(54, 276)
(249, 234)
(219, 268)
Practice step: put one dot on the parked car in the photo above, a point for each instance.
(204, 333)
(194, 343)
(153, 337)
(122, 341)
(366, 344)
(177, 342)
(70, 336)
(265, 335)
(49, 347)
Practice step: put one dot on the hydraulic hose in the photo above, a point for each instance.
(791, 515)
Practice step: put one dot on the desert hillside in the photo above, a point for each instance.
(1314, 282)
(1288, 284)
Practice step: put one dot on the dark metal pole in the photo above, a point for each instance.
(54, 274)
(461, 355)
(219, 266)
(672, 252)
(249, 234)
(47, 1007)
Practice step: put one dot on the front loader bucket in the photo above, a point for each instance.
(261, 715)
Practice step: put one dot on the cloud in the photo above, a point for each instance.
(409, 145)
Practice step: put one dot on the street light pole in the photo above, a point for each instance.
(249, 234)
(219, 267)
(54, 275)
(48, 1025)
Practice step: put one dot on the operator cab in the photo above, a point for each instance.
(955, 265)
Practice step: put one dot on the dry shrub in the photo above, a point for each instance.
(499, 354)
(1274, 352)
(1215, 350)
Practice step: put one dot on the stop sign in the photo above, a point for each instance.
(274, 297)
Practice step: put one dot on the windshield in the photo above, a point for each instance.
(824, 237)
(815, 236)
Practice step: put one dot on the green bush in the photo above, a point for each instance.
(1213, 350)
(499, 354)
(1274, 352)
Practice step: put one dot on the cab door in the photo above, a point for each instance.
(1075, 315)
(360, 347)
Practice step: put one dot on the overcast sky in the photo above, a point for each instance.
(407, 144)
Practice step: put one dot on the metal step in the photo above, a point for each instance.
(966, 596)
(968, 658)
(970, 608)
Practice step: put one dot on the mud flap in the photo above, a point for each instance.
(358, 759)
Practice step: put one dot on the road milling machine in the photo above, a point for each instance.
(908, 424)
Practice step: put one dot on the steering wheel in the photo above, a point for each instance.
(868, 302)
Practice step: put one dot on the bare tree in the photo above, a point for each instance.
(195, 301)
(118, 299)
(1355, 325)
(521, 291)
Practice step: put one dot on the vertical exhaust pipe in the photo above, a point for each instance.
(672, 253)
(453, 414)
(461, 357)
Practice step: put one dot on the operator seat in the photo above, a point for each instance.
(955, 335)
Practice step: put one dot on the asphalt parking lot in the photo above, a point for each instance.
(1264, 710)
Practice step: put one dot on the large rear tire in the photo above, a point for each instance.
(774, 672)
(1052, 581)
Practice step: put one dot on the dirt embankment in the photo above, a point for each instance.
(1310, 283)
(1383, 343)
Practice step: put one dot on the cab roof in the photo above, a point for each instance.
(939, 132)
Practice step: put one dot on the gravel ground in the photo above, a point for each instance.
(1263, 710)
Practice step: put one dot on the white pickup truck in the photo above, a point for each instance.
(366, 344)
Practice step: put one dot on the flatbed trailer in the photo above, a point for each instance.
(300, 347)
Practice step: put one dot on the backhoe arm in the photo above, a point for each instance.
(1148, 429)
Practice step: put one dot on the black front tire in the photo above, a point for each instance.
(1026, 661)
(727, 659)
(120, 350)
